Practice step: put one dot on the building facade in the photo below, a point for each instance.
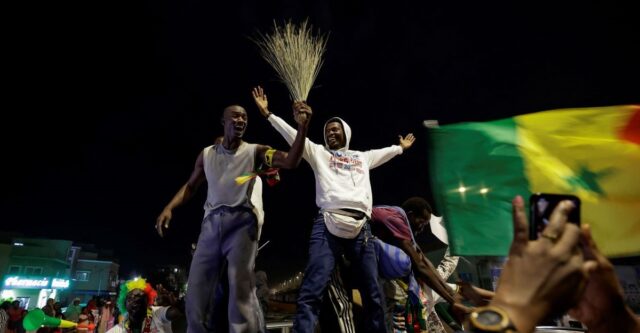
(33, 270)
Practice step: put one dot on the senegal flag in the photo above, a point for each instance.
(478, 167)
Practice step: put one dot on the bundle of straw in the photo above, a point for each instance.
(295, 54)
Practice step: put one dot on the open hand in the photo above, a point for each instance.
(407, 141)
(261, 100)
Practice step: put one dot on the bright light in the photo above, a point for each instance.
(18, 244)
(462, 189)
(484, 190)
(19, 282)
(59, 284)
(175, 270)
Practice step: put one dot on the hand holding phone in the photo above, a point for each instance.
(541, 206)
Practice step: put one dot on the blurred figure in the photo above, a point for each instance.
(108, 316)
(57, 307)
(50, 311)
(16, 314)
(262, 291)
(4, 315)
(49, 308)
(85, 318)
(602, 307)
(73, 310)
(136, 300)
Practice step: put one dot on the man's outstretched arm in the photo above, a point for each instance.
(183, 195)
(378, 157)
(424, 269)
(291, 159)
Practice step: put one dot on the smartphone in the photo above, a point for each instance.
(541, 205)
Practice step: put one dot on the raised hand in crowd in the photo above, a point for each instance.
(602, 307)
(544, 277)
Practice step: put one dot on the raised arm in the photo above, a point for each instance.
(291, 159)
(378, 157)
(261, 101)
(545, 276)
(602, 306)
(183, 195)
(260, 98)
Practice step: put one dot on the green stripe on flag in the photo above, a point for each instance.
(476, 170)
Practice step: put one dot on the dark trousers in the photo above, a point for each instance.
(324, 249)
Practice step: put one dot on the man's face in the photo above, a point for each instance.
(419, 220)
(334, 135)
(234, 121)
(136, 303)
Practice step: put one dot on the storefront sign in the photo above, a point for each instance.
(59, 284)
(35, 283)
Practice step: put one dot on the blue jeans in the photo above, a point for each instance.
(227, 233)
(324, 248)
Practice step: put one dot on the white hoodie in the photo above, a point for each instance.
(342, 176)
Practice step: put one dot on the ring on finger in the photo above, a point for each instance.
(552, 237)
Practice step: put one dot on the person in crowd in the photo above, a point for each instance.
(343, 194)
(233, 217)
(73, 310)
(4, 315)
(262, 291)
(407, 276)
(136, 299)
(16, 314)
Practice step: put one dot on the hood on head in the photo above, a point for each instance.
(345, 128)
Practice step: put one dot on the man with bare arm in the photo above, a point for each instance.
(232, 220)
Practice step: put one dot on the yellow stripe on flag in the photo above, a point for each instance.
(582, 152)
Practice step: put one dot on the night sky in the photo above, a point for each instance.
(109, 103)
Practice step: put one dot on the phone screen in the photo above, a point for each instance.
(541, 205)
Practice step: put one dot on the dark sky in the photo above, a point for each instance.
(109, 103)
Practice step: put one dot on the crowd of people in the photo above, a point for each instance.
(561, 272)
(137, 301)
(353, 245)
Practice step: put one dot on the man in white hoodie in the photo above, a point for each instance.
(343, 194)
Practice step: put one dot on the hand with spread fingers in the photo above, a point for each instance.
(542, 277)
(260, 98)
(407, 141)
(602, 307)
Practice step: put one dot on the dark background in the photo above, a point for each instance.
(109, 103)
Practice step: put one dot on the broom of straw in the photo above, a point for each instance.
(295, 54)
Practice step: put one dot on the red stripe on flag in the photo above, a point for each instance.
(631, 132)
